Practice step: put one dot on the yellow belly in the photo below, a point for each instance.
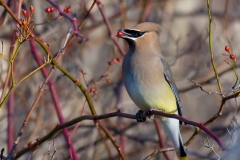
(158, 97)
(165, 100)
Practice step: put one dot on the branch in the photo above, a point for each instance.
(187, 122)
(157, 151)
(72, 20)
(219, 93)
(110, 30)
(112, 139)
(210, 46)
(70, 123)
(117, 114)
(55, 98)
(161, 140)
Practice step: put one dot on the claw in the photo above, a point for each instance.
(138, 116)
(149, 114)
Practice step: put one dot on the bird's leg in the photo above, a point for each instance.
(138, 116)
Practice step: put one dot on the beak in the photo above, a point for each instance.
(122, 34)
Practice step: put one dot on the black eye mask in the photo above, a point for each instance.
(134, 33)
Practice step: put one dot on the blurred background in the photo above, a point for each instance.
(184, 43)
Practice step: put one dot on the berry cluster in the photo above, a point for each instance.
(231, 56)
(49, 10)
(27, 19)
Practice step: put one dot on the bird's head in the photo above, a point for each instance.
(142, 32)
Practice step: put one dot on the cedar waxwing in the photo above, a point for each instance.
(148, 79)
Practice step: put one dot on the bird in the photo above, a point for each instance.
(149, 81)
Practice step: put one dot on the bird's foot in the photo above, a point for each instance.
(149, 114)
(138, 116)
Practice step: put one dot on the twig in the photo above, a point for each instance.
(70, 123)
(82, 22)
(225, 23)
(104, 139)
(111, 34)
(34, 151)
(54, 150)
(219, 93)
(10, 129)
(207, 145)
(235, 128)
(118, 148)
(72, 20)
(147, 9)
(210, 46)
(55, 98)
(31, 110)
(157, 151)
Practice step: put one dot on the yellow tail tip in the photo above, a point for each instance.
(183, 158)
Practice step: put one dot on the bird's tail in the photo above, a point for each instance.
(172, 128)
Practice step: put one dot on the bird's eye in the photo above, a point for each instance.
(139, 34)
(134, 33)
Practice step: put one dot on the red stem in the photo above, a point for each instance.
(110, 30)
(73, 153)
(147, 10)
(161, 141)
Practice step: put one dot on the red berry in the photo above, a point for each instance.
(68, 10)
(108, 80)
(93, 90)
(119, 34)
(51, 9)
(119, 59)
(233, 57)
(48, 10)
(227, 48)
(32, 9)
(24, 12)
(30, 144)
(24, 22)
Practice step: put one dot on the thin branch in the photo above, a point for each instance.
(110, 30)
(55, 98)
(157, 151)
(70, 123)
(35, 104)
(72, 20)
(207, 145)
(210, 46)
(219, 93)
(82, 22)
(117, 147)
(161, 140)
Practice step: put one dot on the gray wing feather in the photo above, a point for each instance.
(169, 78)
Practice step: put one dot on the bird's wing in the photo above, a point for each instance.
(169, 78)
